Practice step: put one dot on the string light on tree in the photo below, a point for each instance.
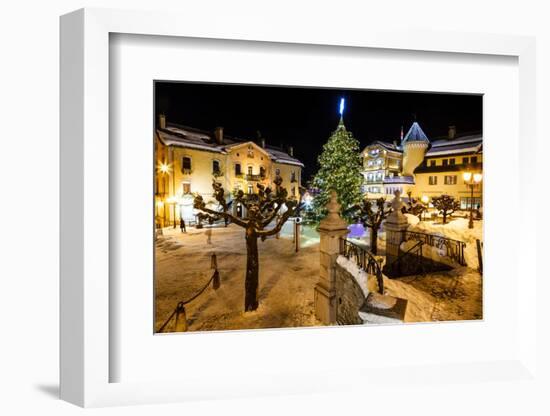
(340, 169)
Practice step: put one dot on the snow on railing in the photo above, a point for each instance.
(364, 259)
(454, 249)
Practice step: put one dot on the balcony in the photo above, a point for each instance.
(254, 178)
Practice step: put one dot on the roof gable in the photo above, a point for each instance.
(416, 134)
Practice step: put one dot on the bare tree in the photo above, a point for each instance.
(372, 218)
(262, 209)
(446, 205)
(413, 207)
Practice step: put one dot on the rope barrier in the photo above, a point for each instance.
(181, 323)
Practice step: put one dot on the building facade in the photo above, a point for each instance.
(188, 159)
(424, 167)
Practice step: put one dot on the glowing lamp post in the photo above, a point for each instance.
(472, 180)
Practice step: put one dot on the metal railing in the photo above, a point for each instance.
(454, 248)
(408, 262)
(364, 259)
(256, 178)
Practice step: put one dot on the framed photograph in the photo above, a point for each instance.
(273, 214)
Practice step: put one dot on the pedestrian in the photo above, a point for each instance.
(182, 225)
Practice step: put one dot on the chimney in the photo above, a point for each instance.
(452, 132)
(162, 121)
(291, 151)
(262, 142)
(218, 133)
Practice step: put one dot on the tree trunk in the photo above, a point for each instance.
(251, 280)
(374, 240)
(444, 217)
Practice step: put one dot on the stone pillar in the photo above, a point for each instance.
(331, 229)
(395, 226)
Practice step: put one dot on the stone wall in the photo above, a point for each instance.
(349, 297)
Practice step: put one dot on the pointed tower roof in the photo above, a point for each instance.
(415, 134)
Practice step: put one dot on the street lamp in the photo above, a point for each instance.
(472, 180)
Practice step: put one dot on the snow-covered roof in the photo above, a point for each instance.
(388, 146)
(415, 134)
(466, 144)
(191, 138)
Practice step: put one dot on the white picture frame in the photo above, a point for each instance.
(86, 356)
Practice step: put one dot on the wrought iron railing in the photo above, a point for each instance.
(364, 259)
(250, 177)
(407, 263)
(454, 248)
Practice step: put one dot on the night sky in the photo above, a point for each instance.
(305, 117)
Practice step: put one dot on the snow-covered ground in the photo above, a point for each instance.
(457, 229)
(286, 279)
(447, 296)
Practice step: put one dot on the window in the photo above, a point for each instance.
(473, 159)
(293, 191)
(216, 166)
(452, 161)
(432, 180)
(238, 169)
(250, 189)
(445, 162)
(293, 178)
(465, 160)
(450, 179)
(466, 203)
(277, 171)
(250, 170)
(432, 162)
(186, 164)
(262, 171)
(186, 188)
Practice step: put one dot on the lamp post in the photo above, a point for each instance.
(472, 180)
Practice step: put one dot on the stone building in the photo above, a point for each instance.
(188, 159)
(424, 167)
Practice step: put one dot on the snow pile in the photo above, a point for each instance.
(412, 219)
(382, 302)
(361, 277)
(457, 229)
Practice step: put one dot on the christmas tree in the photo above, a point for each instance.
(339, 169)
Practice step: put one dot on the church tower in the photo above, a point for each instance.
(415, 144)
